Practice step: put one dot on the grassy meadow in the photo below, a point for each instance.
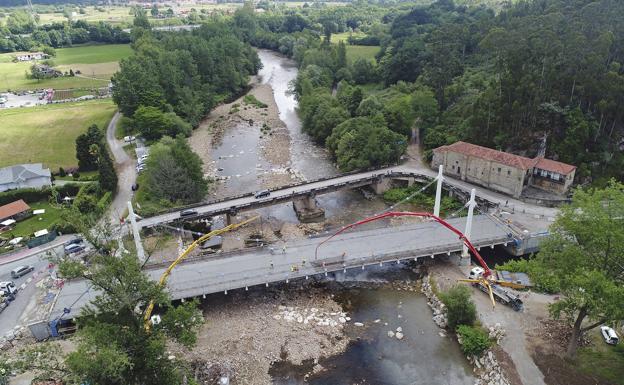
(47, 134)
(96, 62)
(355, 51)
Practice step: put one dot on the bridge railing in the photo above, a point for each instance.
(250, 194)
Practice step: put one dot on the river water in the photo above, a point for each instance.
(423, 357)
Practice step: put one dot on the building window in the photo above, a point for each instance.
(453, 167)
(508, 172)
(499, 169)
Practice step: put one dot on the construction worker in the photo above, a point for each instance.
(284, 249)
(271, 264)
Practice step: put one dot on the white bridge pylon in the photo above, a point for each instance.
(472, 203)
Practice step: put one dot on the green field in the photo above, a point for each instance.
(355, 51)
(96, 62)
(47, 134)
(121, 15)
(361, 51)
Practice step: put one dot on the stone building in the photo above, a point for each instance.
(501, 171)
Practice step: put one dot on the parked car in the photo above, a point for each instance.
(129, 139)
(609, 335)
(21, 271)
(7, 288)
(262, 194)
(73, 248)
(187, 213)
(74, 241)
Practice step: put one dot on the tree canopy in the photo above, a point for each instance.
(583, 259)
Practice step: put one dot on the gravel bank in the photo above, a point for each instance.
(246, 332)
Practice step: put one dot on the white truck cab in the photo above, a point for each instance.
(476, 272)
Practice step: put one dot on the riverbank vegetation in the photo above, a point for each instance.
(173, 177)
(520, 77)
(183, 73)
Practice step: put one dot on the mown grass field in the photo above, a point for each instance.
(47, 134)
(96, 62)
(361, 51)
(355, 51)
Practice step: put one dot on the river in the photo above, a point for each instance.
(423, 357)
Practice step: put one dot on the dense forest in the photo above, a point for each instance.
(538, 71)
(173, 79)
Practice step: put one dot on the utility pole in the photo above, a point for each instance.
(438, 198)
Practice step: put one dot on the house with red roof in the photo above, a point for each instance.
(502, 171)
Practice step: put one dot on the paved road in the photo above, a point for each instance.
(11, 316)
(249, 201)
(253, 267)
(126, 172)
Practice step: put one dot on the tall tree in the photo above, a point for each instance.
(87, 158)
(584, 258)
(106, 170)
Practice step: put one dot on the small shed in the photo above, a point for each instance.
(15, 210)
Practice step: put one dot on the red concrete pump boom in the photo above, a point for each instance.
(487, 272)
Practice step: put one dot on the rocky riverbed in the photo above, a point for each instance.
(246, 332)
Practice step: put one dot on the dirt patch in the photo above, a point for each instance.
(247, 332)
(558, 371)
(506, 363)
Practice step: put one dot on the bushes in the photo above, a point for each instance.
(474, 340)
(36, 195)
(460, 309)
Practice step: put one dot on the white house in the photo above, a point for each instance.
(25, 176)
(28, 56)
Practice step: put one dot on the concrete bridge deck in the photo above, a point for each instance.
(353, 249)
(247, 201)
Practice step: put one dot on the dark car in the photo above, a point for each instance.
(74, 241)
(187, 213)
(21, 271)
(262, 194)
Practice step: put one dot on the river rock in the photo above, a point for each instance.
(390, 333)
(358, 324)
(399, 329)
(399, 336)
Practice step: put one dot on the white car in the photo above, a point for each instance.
(609, 335)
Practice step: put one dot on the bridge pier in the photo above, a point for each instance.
(381, 185)
(229, 215)
(307, 209)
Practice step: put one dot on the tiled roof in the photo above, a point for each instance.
(506, 158)
(13, 208)
(554, 166)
